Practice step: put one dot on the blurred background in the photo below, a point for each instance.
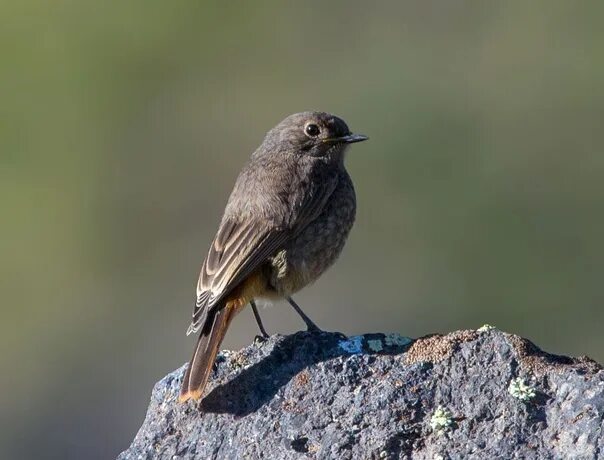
(124, 124)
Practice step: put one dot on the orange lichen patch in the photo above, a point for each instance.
(301, 379)
(538, 362)
(290, 405)
(239, 360)
(434, 348)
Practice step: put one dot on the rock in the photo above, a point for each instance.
(469, 394)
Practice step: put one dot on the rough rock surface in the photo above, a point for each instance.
(470, 394)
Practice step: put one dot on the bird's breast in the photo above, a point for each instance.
(318, 245)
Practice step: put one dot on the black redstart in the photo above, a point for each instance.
(285, 223)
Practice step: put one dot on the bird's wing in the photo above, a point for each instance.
(237, 250)
(240, 247)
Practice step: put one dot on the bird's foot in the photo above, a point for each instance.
(260, 339)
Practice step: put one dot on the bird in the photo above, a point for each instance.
(285, 223)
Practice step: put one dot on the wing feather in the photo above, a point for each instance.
(238, 249)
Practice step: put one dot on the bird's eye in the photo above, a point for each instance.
(312, 130)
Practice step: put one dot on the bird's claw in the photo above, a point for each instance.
(261, 338)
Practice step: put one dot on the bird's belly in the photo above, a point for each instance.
(316, 248)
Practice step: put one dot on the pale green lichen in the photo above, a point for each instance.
(375, 345)
(485, 328)
(396, 340)
(441, 419)
(519, 389)
(354, 345)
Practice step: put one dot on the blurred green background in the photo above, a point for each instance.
(123, 126)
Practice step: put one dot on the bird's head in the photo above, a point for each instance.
(315, 134)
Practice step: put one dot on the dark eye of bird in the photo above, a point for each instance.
(312, 130)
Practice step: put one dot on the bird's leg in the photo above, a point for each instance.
(309, 323)
(258, 320)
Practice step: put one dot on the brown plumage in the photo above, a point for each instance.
(285, 223)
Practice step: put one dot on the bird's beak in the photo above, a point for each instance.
(348, 139)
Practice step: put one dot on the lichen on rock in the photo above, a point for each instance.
(519, 389)
(441, 419)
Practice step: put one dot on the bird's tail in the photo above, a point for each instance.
(212, 334)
